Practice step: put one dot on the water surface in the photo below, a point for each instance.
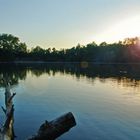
(105, 99)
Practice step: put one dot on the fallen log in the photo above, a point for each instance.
(55, 128)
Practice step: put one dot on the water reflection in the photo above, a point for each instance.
(12, 73)
(52, 89)
(127, 75)
(48, 130)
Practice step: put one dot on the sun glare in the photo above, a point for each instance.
(126, 28)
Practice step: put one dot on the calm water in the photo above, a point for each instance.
(105, 99)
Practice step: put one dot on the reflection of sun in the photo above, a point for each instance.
(126, 28)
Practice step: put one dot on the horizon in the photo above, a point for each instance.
(64, 24)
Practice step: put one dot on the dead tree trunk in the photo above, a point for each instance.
(7, 131)
(53, 129)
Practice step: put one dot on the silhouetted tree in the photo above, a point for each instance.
(11, 47)
(122, 52)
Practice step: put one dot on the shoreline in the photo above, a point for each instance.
(55, 62)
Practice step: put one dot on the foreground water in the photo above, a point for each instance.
(105, 99)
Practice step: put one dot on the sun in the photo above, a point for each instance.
(126, 28)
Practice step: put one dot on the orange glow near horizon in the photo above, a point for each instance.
(124, 29)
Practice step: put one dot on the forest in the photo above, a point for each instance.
(126, 51)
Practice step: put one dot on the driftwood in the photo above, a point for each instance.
(47, 131)
(54, 129)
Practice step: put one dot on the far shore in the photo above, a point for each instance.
(62, 62)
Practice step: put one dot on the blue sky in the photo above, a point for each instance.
(65, 23)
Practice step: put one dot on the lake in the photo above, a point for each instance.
(105, 99)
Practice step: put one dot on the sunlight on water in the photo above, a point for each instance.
(106, 105)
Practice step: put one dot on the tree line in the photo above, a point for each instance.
(126, 51)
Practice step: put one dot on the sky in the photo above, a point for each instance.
(65, 23)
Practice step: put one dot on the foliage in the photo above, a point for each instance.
(127, 51)
(11, 48)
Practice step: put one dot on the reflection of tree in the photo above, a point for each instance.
(12, 73)
(127, 74)
(129, 82)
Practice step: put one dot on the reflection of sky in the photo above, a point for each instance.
(64, 23)
(109, 107)
(104, 107)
